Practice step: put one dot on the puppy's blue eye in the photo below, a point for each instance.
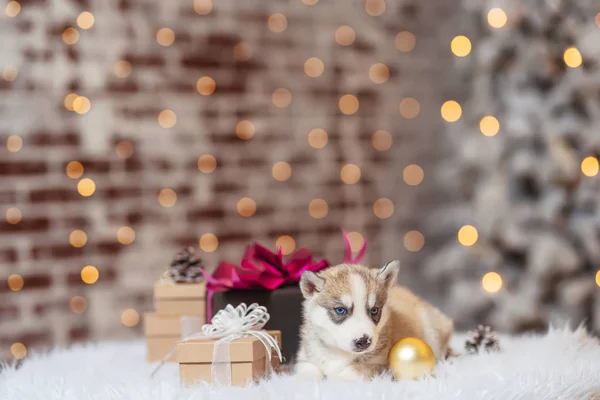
(340, 311)
(374, 310)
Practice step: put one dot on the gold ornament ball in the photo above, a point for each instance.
(411, 358)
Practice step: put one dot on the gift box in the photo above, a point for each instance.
(180, 298)
(248, 359)
(164, 331)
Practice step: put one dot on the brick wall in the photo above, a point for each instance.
(250, 56)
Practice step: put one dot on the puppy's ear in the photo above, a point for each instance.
(310, 284)
(388, 274)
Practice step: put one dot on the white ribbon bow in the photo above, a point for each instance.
(230, 324)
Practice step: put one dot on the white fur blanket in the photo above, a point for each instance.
(563, 364)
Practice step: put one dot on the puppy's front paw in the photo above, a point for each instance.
(307, 372)
(348, 374)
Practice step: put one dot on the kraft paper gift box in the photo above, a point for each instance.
(180, 298)
(248, 360)
(164, 331)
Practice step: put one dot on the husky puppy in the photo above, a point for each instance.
(353, 315)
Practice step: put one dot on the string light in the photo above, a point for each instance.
(277, 23)
(383, 208)
(497, 18)
(13, 215)
(381, 140)
(15, 282)
(379, 73)
(203, 7)
(14, 143)
(451, 111)
(74, 169)
(10, 73)
(69, 100)
(281, 171)
(85, 20)
(167, 198)
(318, 208)
(209, 242)
(314, 67)
(590, 166)
(89, 274)
(460, 46)
(167, 119)
(13, 8)
(70, 36)
(286, 243)
(244, 129)
(246, 207)
(130, 317)
(345, 35)
(165, 36)
(122, 69)
(375, 7)
(126, 235)
(350, 174)
(491, 282)
(78, 304)
(282, 98)
(489, 125)
(410, 108)
(414, 241)
(572, 57)
(207, 163)
(18, 350)
(413, 174)
(318, 138)
(467, 235)
(86, 187)
(78, 238)
(405, 41)
(124, 149)
(242, 51)
(81, 105)
(356, 241)
(206, 85)
(348, 104)
(598, 278)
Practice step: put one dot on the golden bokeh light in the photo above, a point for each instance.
(286, 243)
(310, 2)
(598, 278)
(167, 118)
(413, 174)
(122, 69)
(489, 125)
(206, 86)
(207, 163)
(14, 143)
(497, 18)
(410, 108)
(70, 36)
(277, 23)
(18, 350)
(414, 241)
(597, 19)
(78, 304)
(74, 169)
(281, 171)
(572, 57)
(381, 140)
(203, 7)
(467, 235)
(356, 241)
(282, 98)
(383, 208)
(10, 73)
(208, 242)
(78, 238)
(15, 282)
(314, 67)
(350, 174)
(590, 166)
(242, 51)
(318, 138)
(125, 235)
(165, 36)
(379, 73)
(244, 129)
(246, 207)
(348, 104)
(124, 149)
(13, 8)
(70, 100)
(86, 187)
(85, 20)
(81, 105)
(90, 274)
(130, 317)
(318, 208)
(460, 46)
(491, 282)
(167, 197)
(375, 7)
(345, 35)
(405, 41)
(13, 215)
(451, 111)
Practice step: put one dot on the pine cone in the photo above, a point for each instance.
(482, 338)
(186, 267)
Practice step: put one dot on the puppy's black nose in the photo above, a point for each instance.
(362, 343)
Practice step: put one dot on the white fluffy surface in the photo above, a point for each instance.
(563, 364)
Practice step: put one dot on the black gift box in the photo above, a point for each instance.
(284, 306)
